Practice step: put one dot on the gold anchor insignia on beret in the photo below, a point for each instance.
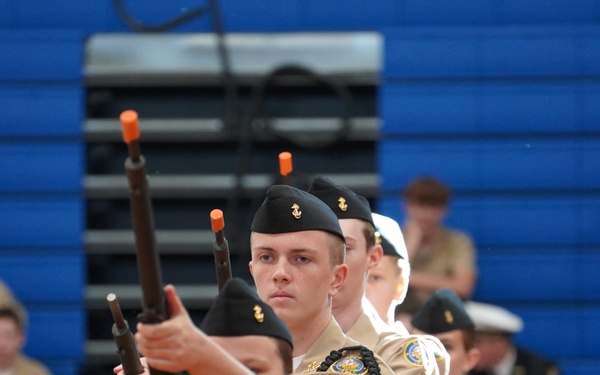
(343, 206)
(449, 317)
(258, 314)
(296, 211)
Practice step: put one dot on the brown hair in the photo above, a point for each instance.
(468, 335)
(337, 250)
(370, 236)
(285, 353)
(428, 191)
(17, 313)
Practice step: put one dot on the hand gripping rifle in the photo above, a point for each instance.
(126, 349)
(285, 167)
(154, 306)
(220, 248)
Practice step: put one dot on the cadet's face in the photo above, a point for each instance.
(492, 347)
(259, 353)
(359, 260)
(382, 285)
(461, 361)
(11, 341)
(293, 274)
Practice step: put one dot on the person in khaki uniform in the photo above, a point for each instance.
(298, 253)
(388, 281)
(444, 316)
(404, 353)
(12, 340)
(440, 257)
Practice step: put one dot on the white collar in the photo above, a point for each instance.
(507, 364)
(296, 361)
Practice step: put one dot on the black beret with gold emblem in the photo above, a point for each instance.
(345, 203)
(288, 209)
(443, 312)
(238, 311)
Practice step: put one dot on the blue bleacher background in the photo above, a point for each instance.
(497, 98)
(507, 115)
(43, 215)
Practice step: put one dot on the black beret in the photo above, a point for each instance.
(444, 311)
(288, 209)
(344, 202)
(238, 311)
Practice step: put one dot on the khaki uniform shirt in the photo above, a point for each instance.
(332, 338)
(404, 353)
(447, 253)
(29, 366)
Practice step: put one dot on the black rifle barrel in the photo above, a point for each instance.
(154, 304)
(220, 247)
(126, 349)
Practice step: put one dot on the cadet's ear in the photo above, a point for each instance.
(250, 267)
(340, 272)
(374, 256)
(473, 356)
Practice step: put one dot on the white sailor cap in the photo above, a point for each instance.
(489, 317)
(389, 229)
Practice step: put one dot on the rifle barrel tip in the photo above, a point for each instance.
(129, 125)
(216, 220)
(285, 163)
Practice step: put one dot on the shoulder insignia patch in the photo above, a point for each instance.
(412, 353)
(351, 364)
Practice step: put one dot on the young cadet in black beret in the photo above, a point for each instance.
(238, 323)
(405, 354)
(298, 254)
(445, 317)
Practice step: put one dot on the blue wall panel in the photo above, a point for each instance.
(548, 330)
(527, 163)
(50, 55)
(570, 366)
(33, 223)
(101, 16)
(56, 332)
(263, 16)
(518, 221)
(348, 14)
(271, 15)
(489, 108)
(493, 51)
(549, 11)
(45, 276)
(537, 276)
(56, 110)
(42, 167)
(432, 12)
